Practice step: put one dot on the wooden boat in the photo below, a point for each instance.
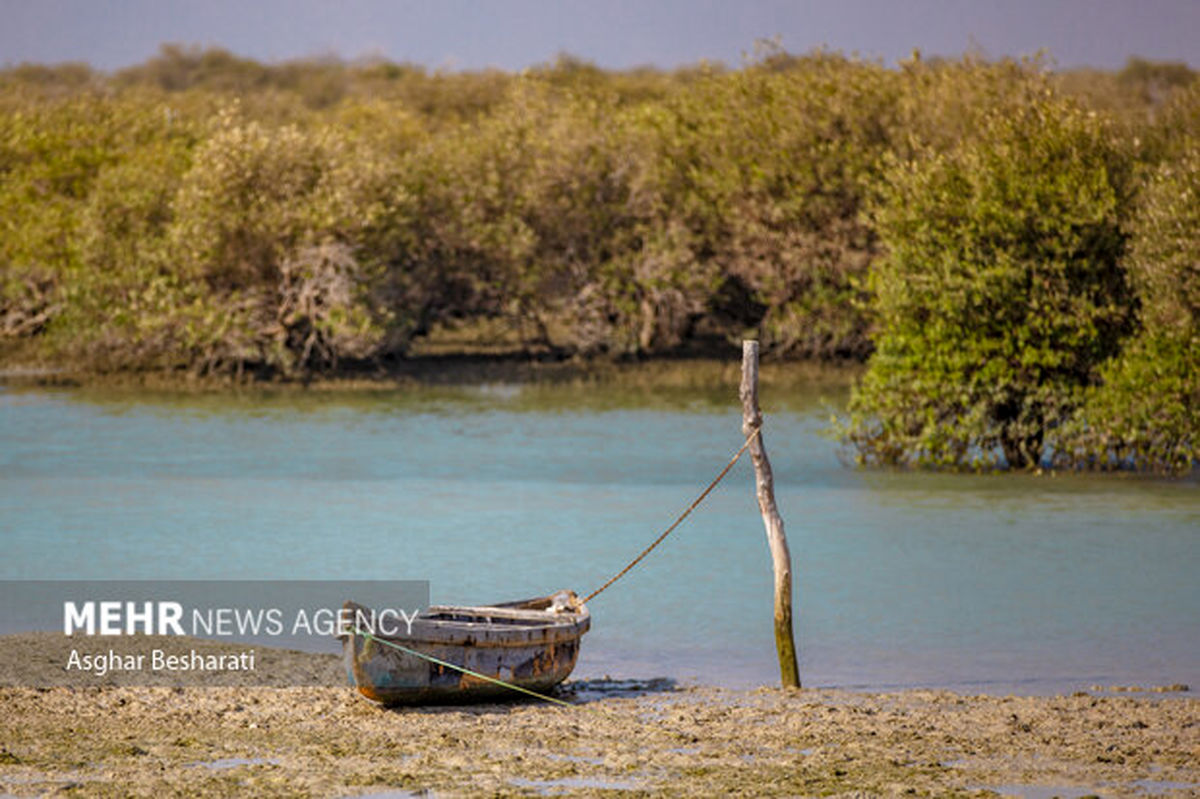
(533, 644)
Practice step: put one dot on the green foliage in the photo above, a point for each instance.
(1135, 96)
(74, 171)
(767, 169)
(124, 284)
(966, 221)
(1146, 412)
(177, 68)
(1175, 127)
(268, 221)
(1154, 81)
(620, 273)
(942, 103)
(1000, 293)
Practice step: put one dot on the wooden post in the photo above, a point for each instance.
(765, 485)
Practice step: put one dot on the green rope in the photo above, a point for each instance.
(464, 670)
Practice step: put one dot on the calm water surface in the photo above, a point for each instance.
(505, 490)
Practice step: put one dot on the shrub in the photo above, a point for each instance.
(1146, 412)
(86, 186)
(126, 288)
(266, 221)
(346, 208)
(622, 274)
(1000, 292)
(767, 169)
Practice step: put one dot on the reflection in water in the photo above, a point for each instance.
(503, 489)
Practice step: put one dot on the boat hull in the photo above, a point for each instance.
(533, 644)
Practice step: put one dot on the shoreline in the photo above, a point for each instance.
(647, 736)
(448, 369)
(630, 736)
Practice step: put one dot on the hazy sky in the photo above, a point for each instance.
(512, 34)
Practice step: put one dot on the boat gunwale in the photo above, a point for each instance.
(548, 627)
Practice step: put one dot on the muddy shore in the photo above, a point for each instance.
(628, 738)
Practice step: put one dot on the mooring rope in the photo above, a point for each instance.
(463, 669)
(682, 516)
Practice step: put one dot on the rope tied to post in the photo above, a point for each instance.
(754, 432)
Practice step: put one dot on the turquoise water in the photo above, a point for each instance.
(505, 490)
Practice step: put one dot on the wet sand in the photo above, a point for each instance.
(651, 738)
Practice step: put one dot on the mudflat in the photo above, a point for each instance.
(621, 737)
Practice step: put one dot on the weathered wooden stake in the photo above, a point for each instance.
(765, 484)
